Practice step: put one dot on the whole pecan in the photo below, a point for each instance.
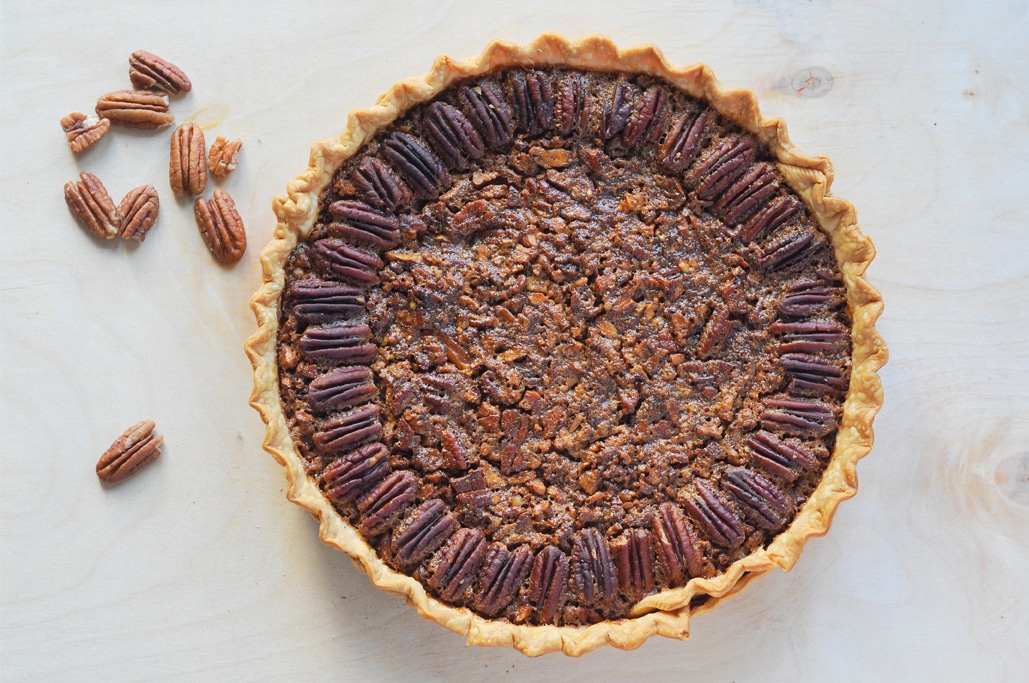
(682, 142)
(547, 582)
(139, 212)
(381, 506)
(324, 301)
(223, 157)
(714, 515)
(355, 473)
(633, 555)
(676, 545)
(364, 224)
(221, 227)
(420, 167)
(593, 571)
(453, 135)
(136, 448)
(779, 458)
(92, 206)
(805, 417)
(489, 113)
(716, 332)
(344, 432)
(135, 109)
(760, 500)
(342, 388)
(150, 72)
(379, 185)
(338, 343)
(503, 573)
(187, 169)
(338, 258)
(458, 564)
(83, 131)
(423, 532)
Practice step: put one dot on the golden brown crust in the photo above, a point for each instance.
(666, 613)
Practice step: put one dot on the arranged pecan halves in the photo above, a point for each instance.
(379, 185)
(354, 474)
(812, 376)
(135, 109)
(771, 218)
(593, 572)
(187, 168)
(423, 171)
(336, 257)
(676, 545)
(139, 210)
(489, 113)
(84, 131)
(805, 417)
(338, 343)
(343, 432)
(381, 506)
(647, 120)
(149, 72)
(325, 301)
(425, 530)
(682, 142)
(747, 194)
(618, 110)
(762, 503)
(809, 336)
(714, 515)
(533, 101)
(221, 227)
(92, 206)
(808, 296)
(724, 165)
(786, 460)
(453, 135)
(361, 223)
(547, 582)
(342, 388)
(571, 107)
(459, 562)
(136, 448)
(788, 249)
(503, 573)
(633, 554)
(223, 156)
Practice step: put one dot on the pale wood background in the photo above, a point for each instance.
(199, 569)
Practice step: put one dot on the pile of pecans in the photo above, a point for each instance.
(146, 106)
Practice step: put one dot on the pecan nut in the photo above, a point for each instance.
(136, 448)
(149, 72)
(420, 167)
(808, 296)
(347, 431)
(676, 545)
(634, 557)
(809, 336)
(453, 135)
(547, 582)
(342, 388)
(135, 109)
(338, 343)
(593, 571)
(788, 249)
(682, 142)
(379, 185)
(187, 169)
(503, 573)
(534, 102)
(459, 563)
(223, 157)
(716, 332)
(83, 131)
(760, 500)
(424, 532)
(221, 227)
(92, 206)
(726, 163)
(744, 196)
(381, 506)
(323, 301)
(354, 474)
(489, 113)
(779, 458)
(770, 218)
(364, 224)
(714, 515)
(139, 212)
(336, 257)
(618, 110)
(647, 120)
(812, 375)
(798, 416)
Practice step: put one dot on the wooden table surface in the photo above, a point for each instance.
(199, 569)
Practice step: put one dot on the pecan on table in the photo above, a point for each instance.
(223, 157)
(135, 109)
(136, 448)
(221, 227)
(149, 72)
(92, 206)
(83, 131)
(139, 212)
(187, 168)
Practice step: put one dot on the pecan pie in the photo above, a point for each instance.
(564, 344)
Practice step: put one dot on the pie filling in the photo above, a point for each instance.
(560, 340)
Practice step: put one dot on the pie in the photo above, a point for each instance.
(564, 344)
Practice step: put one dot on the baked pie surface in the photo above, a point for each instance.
(564, 344)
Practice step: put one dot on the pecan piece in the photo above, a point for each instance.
(547, 582)
(722, 167)
(534, 102)
(808, 295)
(760, 500)
(354, 474)
(338, 258)
(92, 206)
(187, 169)
(139, 212)
(809, 336)
(676, 545)
(798, 416)
(571, 110)
(135, 109)
(489, 113)
(503, 573)
(459, 562)
(593, 572)
(83, 131)
(342, 388)
(150, 72)
(424, 532)
(473, 481)
(379, 185)
(338, 343)
(682, 142)
(453, 135)
(323, 301)
(364, 224)
(516, 425)
(381, 506)
(634, 557)
(771, 218)
(346, 431)
(618, 110)
(812, 376)
(221, 227)
(136, 448)
(779, 458)
(647, 120)
(744, 196)
(423, 171)
(716, 332)
(223, 157)
(788, 249)
(714, 515)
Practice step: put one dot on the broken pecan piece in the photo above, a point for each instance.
(92, 206)
(339, 258)
(424, 532)
(634, 557)
(346, 431)
(676, 545)
(187, 168)
(364, 224)
(716, 332)
(83, 131)
(135, 109)
(453, 135)
(323, 301)
(593, 571)
(355, 473)
(489, 113)
(380, 507)
(547, 582)
(223, 157)
(379, 185)
(760, 500)
(149, 72)
(342, 388)
(139, 211)
(503, 573)
(221, 227)
(779, 458)
(420, 167)
(338, 343)
(714, 515)
(136, 448)
(682, 142)
(459, 563)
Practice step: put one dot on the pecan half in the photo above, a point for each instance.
(771, 218)
(379, 185)
(682, 142)
(423, 171)
(221, 227)
(135, 109)
(139, 212)
(533, 100)
(459, 562)
(355, 473)
(647, 120)
(716, 332)
(92, 206)
(347, 431)
(779, 458)
(342, 388)
(149, 72)
(424, 532)
(761, 502)
(547, 582)
(788, 249)
(338, 258)
(714, 515)
(489, 113)
(571, 108)
(83, 131)
(502, 574)
(723, 166)
(324, 301)
(798, 416)
(187, 169)
(136, 448)
(618, 110)
(812, 376)
(633, 554)
(676, 545)
(223, 157)
(747, 194)
(593, 572)
(809, 336)
(453, 135)
(809, 295)
(380, 507)
(338, 343)
(364, 224)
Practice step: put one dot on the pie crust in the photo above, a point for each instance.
(666, 613)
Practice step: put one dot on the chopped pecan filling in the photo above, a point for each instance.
(561, 340)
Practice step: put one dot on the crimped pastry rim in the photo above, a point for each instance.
(666, 613)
